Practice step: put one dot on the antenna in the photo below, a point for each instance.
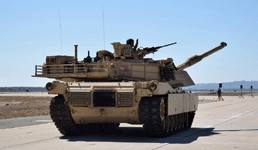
(60, 32)
(103, 25)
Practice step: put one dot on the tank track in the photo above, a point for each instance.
(61, 116)
(155, 121)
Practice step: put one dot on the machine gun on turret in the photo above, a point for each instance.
(142, 52)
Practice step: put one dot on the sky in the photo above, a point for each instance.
(31, 30)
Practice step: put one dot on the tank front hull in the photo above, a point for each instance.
(81, 106)
(84, 115)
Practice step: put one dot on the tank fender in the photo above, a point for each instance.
(163, 88)
(181, 103)
(57, 87)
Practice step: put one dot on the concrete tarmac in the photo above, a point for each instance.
(228, 124)
(34, 94)
(24, 121)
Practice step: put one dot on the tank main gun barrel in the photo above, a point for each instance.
(196, 58)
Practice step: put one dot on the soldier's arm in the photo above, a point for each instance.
(135, 46)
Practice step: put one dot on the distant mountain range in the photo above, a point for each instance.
(226, 86)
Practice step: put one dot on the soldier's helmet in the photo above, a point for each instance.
(130, 42)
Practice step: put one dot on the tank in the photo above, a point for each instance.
(122, 87)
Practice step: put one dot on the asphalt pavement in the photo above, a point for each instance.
(24, 121)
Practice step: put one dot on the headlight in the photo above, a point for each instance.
(49, 86)
(153, 86)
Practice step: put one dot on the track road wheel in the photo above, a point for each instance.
(182, 120)
(60, 114)
(178, 121)
(168, 124)
(152, 115)
(191, 117)
(186, 118)
(162, 113)
(172, 123)
(175, 123)
(158, 116)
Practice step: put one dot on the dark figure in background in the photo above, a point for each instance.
(219, 94)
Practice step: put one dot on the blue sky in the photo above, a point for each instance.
(30, 31)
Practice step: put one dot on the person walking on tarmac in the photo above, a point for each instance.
(219, 94)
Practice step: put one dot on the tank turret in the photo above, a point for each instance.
(125, 64)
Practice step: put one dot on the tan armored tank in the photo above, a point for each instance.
(121, 87)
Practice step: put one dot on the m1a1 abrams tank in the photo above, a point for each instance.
(121, 87)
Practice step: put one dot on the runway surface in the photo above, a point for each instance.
(24, 121)
(34, 94)
(229, 124)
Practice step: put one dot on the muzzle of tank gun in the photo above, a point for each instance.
(215, 49)
(75, 55)
(197, 58)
